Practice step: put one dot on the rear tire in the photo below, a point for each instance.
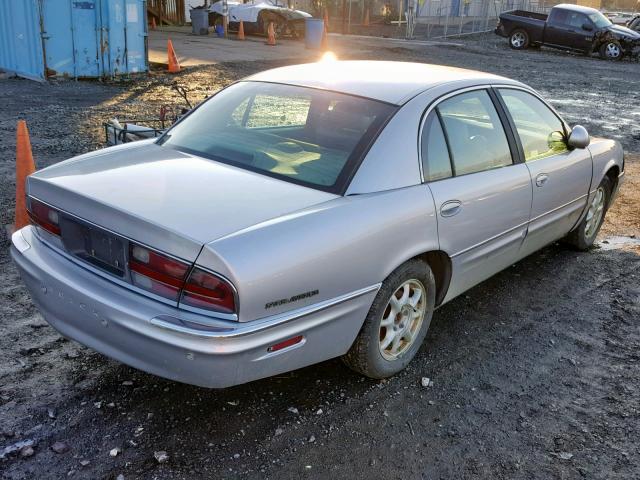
(611, 50)
(584, 235)
(519, 39)
(397, 322)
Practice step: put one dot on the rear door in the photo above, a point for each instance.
(482, 194)
(561, 177)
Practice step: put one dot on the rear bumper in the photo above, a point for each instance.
(177, 345)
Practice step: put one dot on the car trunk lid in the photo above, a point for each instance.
(170, 200)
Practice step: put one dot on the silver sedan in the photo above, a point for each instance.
(306, 213)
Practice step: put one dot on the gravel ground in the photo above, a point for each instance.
(535, 372)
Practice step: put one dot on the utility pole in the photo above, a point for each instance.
(225, 17)
(344, 16)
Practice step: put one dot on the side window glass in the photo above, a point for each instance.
(558, 17)
(435, 155)
(476, 138)
(577, 20)
(541, 132)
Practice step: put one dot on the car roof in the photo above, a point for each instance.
(576, 8)
(391, 82)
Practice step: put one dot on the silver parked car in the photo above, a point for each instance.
(306, 213)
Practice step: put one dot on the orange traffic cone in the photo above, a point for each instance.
(24, 167)
(326, 20)
(153, 23)
(241, 31)
(365, 23)
(271, 40)
(174, 65)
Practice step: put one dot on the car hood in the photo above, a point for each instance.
(167, 199)
(624, 31)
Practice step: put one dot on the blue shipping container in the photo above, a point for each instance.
(73, 38)
(20, 42)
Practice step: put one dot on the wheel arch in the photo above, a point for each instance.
(515, 28)
(440, 264)
(613, 173)
(522, 29)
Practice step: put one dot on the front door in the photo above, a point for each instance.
(560, 177)
(482, 197)
(566, 29)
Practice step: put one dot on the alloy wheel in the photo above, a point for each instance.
(402, 319)
(518, 39)
(594, 214)
(612, 50)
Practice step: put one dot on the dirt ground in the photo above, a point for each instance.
(535, 372)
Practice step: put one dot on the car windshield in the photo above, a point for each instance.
(599, 20)
(303, 135)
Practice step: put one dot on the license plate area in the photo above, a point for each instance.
(94, 245)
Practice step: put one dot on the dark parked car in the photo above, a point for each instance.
(569, 27)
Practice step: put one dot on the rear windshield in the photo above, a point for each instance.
(303, 135)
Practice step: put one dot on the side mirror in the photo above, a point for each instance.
(587, 27)
(579, 137)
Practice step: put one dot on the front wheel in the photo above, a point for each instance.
(519, 39)
(397, 322)
(585, 233)
(611, 50)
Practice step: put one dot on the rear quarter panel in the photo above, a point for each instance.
(336, 248)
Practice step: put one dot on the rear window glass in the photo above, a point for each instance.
(308, 136)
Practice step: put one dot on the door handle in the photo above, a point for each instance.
(542, 179)
(450, 208)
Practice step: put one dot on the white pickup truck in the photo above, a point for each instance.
(256, 16)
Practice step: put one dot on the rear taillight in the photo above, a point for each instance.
(158, 273)
(167, 277)
(209, 292)
(44, 216)
(155, 272)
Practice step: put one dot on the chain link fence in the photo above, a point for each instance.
(442, 19)
(423, 19)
